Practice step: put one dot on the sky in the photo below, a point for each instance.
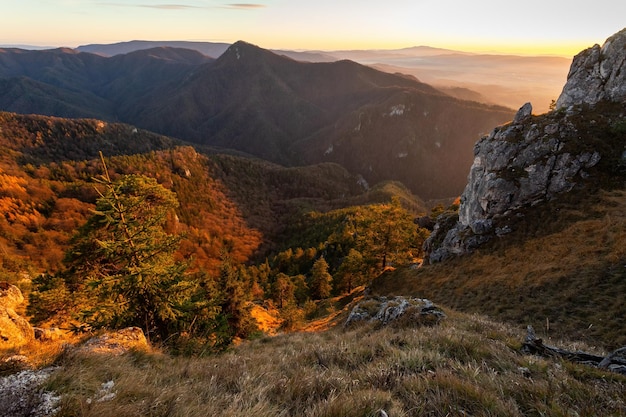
(531, 27)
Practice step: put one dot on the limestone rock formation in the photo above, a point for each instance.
(534, 158)
(596, 74)
(416, 311)
(14, 329)
(24, 394)
(116, 343)
(518, 165)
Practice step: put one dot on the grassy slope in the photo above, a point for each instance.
(465, 366)
(564, 266)
(565, 270)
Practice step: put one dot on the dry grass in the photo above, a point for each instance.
(466, 366)
(566, 270)
(35, 354)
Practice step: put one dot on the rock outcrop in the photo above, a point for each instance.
(24, 394)
(14, 329)
(535, 158)
(116, 343)
(412, 311)
(597, 74)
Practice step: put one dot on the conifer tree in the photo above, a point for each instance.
(387, 234)
(351, 271)
(234, 300)
(122, 260)
(283, 290)
(321, 280)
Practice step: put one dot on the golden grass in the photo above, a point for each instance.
(37, 354)
(468, 365)
(568, 270)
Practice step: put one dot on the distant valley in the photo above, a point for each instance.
(377, 125)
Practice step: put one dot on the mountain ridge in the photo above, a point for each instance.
(260, 103)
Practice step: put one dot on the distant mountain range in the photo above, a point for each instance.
(378, 125)
(508, 80)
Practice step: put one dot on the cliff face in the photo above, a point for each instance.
(597, 74)
(534, 158)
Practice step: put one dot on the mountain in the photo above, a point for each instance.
(503, 79)
(380, 126)
(210, 49)
(66, 83)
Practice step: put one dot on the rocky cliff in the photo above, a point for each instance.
(534, 159)
(597, 74)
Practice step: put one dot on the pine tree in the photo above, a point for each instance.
(351, 271)
(321, 280)
(283, 290)
(235, 300)
(387, 235)
(122, 259)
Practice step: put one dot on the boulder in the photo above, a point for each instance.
(412, 311)
(24, 395)
(14, 330)
(10, 296)
(51, 334)
(116, 343)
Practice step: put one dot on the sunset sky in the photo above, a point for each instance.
(530, 27)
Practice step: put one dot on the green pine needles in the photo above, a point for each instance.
(125, 259)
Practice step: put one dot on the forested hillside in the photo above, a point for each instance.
(262, 226)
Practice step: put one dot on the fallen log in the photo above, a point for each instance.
(615, 361)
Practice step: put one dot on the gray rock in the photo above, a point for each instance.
(117, 342)
(597, 73)
(386, 311)
(516, 166)
(523, 113)
(22, 394)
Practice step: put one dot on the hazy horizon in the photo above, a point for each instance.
(487, 26)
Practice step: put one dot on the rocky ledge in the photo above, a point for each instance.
(533, 159)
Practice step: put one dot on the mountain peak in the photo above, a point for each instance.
(241, 49)
(244, 52)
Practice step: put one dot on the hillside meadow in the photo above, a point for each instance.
(467, 365)
(562, 273)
